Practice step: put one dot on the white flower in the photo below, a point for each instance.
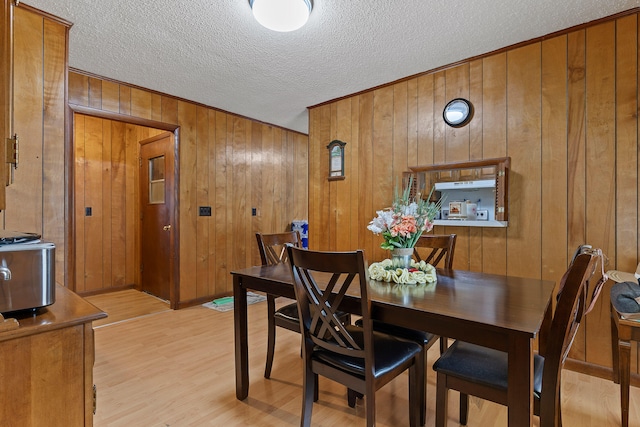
(412, 209)
(382, 222)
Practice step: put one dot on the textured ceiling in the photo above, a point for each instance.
(215, 53)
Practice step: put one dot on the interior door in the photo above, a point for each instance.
(157, 215)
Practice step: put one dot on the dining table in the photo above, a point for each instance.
(503, 312)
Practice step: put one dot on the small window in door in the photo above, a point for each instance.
(156, 180)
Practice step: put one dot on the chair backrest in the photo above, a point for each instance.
(321, 280)
(273, 248)
(569, 312)
(439, 249)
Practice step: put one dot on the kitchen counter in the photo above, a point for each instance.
(46, 364)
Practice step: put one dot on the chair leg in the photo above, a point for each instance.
(309, 390)
(441, 400)
(423, 390)
(271, 335)
(464, 408)
(351, 398)
(347, 319)
(444, 344)
(370, 403)
(418, 390)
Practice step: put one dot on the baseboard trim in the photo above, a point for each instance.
(597, 371)
(106, 290)
(199, 301)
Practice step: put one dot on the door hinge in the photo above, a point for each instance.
(12, 150)
(140, 162)
(95, 398)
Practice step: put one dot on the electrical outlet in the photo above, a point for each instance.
(204, 211)
(482, 215)
(444, 214)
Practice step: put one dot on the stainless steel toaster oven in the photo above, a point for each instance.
(27, 275)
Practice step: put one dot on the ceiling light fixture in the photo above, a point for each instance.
(281, 15)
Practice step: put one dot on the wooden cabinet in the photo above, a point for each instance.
(483, 183)
(46, 365)
(33, 98)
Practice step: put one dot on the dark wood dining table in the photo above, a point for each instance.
(502, 312)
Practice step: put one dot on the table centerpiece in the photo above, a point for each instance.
(401, 226)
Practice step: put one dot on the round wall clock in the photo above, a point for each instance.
(457, 112)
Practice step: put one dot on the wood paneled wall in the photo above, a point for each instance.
(564, 108)
(36, 198)
(230, 163)
(107, 244)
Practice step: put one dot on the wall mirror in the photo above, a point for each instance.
(457, 112)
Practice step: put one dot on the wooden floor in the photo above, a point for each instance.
(176, 368)
(125, 305)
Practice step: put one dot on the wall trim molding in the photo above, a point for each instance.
(103, 114)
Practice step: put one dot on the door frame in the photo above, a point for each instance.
(70, 224)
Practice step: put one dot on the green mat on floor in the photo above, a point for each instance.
(226, 303)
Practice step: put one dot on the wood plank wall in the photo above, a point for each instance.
(230, 163)
(35, 199)
(564, 108)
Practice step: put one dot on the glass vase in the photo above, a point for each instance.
(401, 257)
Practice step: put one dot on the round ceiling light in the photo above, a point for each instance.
(281, 15)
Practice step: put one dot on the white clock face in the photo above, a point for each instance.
(457, 112)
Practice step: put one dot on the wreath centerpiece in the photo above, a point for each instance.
(418, 273)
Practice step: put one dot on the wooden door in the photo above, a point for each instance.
(157, 217)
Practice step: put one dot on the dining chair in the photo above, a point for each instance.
(482, 372)
(357, 357)
(438, 250)
(273, 251)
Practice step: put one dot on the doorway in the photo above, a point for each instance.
(104, 202)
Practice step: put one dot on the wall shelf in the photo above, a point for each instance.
(463, 185)
(468, 223)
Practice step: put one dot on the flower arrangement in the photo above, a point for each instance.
(402, 225)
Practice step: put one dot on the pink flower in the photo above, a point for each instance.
(406, 227)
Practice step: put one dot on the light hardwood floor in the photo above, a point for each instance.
(125, 305)
(176, 368)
